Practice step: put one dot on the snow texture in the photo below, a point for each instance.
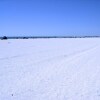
(50, 69)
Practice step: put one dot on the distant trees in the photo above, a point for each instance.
(25, 37)
(4, 38)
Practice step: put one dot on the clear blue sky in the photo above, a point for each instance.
(49, 17)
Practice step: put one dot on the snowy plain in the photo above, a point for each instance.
(50, 69)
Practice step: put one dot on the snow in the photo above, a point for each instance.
(50, 69)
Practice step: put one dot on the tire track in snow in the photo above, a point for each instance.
(66, 56)
(73, 75)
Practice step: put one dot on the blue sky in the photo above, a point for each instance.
(49, 17)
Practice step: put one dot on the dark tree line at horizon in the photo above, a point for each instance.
(36, 37)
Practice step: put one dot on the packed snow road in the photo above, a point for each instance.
(50, 69)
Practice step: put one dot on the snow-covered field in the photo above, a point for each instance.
(50, 69)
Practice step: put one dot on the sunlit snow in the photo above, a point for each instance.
(50, 69)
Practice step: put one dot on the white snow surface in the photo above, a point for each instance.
(50, 69)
